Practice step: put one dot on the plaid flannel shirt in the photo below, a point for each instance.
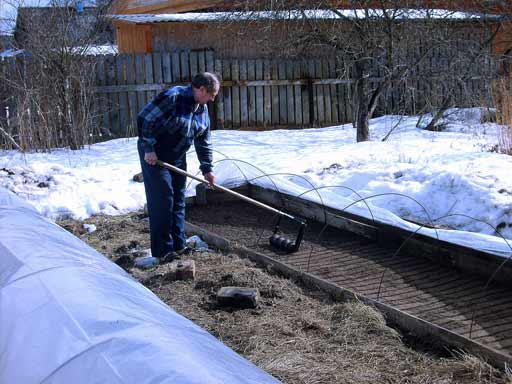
(171, 114)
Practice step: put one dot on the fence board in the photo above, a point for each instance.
(313, 94)
(124, 113)
(139, 79)
(275, 95)
(327, 92)
(193, 64)
(132, 96)
(290, 95)
(184, 67)
(283, 97)
(305, 95)
(319, 93)
(235, 96)
(176, 67)
(219, 101)
(210, 62)
(251, 94)
(267, 94)
(113, 98)
(244, 110)
(334, 92)
(260, 99)
(148, 75)
(297, 94)
(166, 68)
(228, 109)
(201, 62)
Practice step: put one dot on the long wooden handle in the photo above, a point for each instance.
(223, 189)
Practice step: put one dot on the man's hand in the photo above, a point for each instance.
(210, 177)
(150, 158)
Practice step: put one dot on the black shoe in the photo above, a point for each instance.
(169, 257)
(184, 251)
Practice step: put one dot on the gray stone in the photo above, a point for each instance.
(239, 297)
(138, 178)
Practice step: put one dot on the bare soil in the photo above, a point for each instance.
(297, 334)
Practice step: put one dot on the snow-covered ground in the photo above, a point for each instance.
(450, 178)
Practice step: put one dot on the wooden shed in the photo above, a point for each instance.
(149, 26)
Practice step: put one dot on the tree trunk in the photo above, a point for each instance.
(362, 115)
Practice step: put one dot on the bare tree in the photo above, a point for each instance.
(413, 59)
(51, 84)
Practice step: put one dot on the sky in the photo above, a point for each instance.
(452, 179)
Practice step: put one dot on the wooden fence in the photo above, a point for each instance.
(258, 94)
(255, 94)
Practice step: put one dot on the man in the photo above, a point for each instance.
(167, 127)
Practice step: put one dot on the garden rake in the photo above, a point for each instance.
(276, 240)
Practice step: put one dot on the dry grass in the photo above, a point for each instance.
(502, 99)
(299, 335)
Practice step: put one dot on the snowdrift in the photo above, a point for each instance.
(69, 315)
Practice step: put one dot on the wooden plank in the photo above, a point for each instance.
(290, 94)
(321, 93)
(341, 93)
(194, 63)
(349, 100)
(334, 92)
(113, 98)
(132, 88)
(219, 101)
(176, 67)
(124, 113)
(297, 94)
(251, 93)
(237, 83)
(139, 79)
(275, 95)
(149, 75)
(210, 62)
(228, 111)
(132, 96)
(283, 109)
(244, 102)
(185, 67)
(201, 61)
(260, 102)
(102, 100)
(167, 68)
(157, 68)
(314, 94)
(235, 75)
(267, 94)
(304, 90)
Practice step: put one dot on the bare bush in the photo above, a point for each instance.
(49, 88)
(399, 59)
(502, 95)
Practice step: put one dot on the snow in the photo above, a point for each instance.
(452, 179)
(398, 14)
(95, 50)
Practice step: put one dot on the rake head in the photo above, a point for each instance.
(284, 244)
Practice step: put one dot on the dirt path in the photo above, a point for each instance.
(298, 335)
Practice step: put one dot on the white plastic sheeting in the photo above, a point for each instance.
(69, 315)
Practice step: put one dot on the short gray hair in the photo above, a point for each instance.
(208, 80)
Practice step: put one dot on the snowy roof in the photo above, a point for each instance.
(403, 14)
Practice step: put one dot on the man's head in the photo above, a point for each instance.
(205, 87)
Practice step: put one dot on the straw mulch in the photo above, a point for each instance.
(297, 334)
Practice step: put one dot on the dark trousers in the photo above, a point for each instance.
(165, 195)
